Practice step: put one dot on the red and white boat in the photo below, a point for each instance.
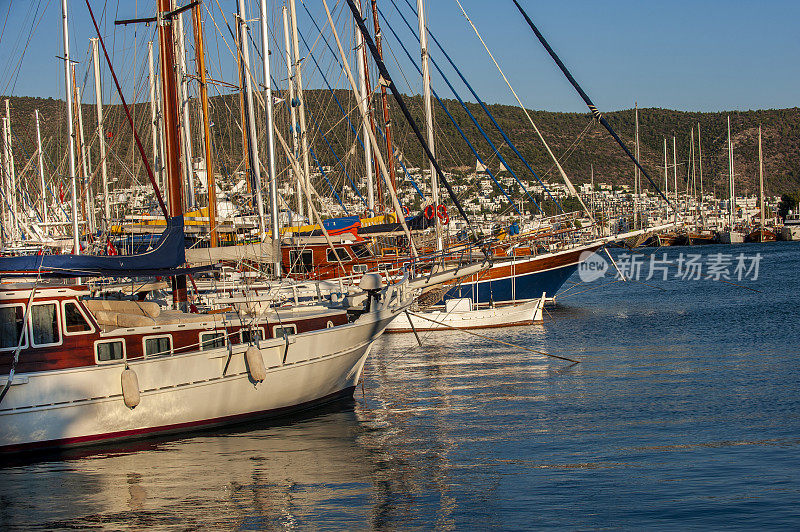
(92, 370)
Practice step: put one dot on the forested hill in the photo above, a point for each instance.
(579, 142)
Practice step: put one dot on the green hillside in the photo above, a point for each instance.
(575, 138)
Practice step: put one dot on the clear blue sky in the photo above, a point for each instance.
(701, 55)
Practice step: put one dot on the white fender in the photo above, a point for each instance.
(130, 388)
(255, 364)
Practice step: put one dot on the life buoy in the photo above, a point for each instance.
(441, 212)
(406, 211)
(430, 212)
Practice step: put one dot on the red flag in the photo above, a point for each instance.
(61, 192)
(110, 249)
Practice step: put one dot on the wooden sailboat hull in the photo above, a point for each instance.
(761, 235)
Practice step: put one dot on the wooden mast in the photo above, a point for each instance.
(200, 61)
(166, 52)
(387, 123)
(371, 114)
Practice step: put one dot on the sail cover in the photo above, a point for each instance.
(167, 254)
(262, 252)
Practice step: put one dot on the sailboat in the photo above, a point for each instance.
(731, 235)
(80, 369)
(762, 234)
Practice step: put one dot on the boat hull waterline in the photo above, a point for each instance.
(180, 393)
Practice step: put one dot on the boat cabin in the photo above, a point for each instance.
(60, 327)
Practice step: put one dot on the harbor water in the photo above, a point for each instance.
(683, 413)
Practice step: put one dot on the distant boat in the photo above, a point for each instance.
(763, 234)
(702, 237)
(731, 235)
(791, 228)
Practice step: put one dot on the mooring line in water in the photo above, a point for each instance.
(517, 346)
(564, 296)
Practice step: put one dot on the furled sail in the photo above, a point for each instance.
(167, 254)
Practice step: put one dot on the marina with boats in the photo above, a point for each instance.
(244, 237)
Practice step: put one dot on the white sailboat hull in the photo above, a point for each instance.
(731, 237)
(482, 318)
(184, 392)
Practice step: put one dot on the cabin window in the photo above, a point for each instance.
(342, 253)
(212, 340)
(44, 324)
(75, 322)
(360, 268)
(301, 261)
(384, 266)
(158, 346)
(110, 351)
(330, 324)
(361, 251)
(282, 331)
(11, 320)
(251, 335)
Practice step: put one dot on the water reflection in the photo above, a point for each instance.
(260, 477)
(680, 414)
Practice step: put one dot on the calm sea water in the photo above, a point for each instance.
(684, 413)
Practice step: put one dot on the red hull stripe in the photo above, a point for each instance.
(177, 427)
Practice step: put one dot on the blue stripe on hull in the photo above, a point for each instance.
(522, 286)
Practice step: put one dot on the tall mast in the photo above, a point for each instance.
(666, 174)
(98, 95)
(6, 221)
(694, 170)
(700, 167)
(636, 171)
(243, 118)
(292, 112)
(761, 180)
(255, 167)
(88, 203)
(730, 177)
(363, 102)
(45, 216)
(387, 125)
(70, 131)
(200, 62)
(370, 112)
(12, 176)
(172, 136)
(184, 102)
(675, 169)
(155, 130)
(301, 105)
(426, 99)
(273, 184)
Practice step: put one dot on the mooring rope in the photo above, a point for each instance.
(517, 346)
